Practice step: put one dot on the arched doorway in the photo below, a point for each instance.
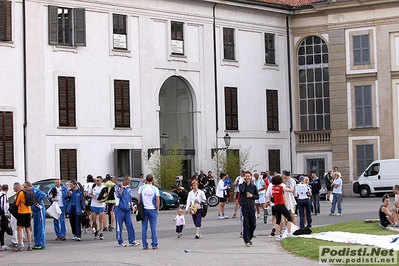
(176, 119)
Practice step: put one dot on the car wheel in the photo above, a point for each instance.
(364, 191)
(162, 205)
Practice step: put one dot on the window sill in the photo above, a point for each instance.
(270, 66)
(363, 128)
(272, 131)
(63, 127)
(120, 52)
(10, 44)
(122, 128)
(177, 57)
(70, 49)
(229, 62)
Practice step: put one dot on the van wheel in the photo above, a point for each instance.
(364, 192)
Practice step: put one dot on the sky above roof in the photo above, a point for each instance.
(292, 3)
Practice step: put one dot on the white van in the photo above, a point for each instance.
(378, 178)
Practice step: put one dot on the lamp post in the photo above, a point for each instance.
(164, 140)
(227, 140)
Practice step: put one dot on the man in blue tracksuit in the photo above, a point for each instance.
(123, 201)
(39, 217)
(58, 193)
(75, 205)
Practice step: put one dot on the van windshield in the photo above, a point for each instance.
(373, 170)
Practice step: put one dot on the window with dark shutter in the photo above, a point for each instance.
(5, 21)
(6, 140)
(228, 44)
(361, 49)
(363, 101)
(177, 37)
(272, 110)
(67, 26)
(270, 51)
(136, 164)
(66, 101)
(231, 108)
(119, 31)
(364, 157)
(122, 103)
(274, 161)
(68, 164)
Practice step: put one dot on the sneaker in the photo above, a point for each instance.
(58, 238)
(134, 244)
(338, 214)
(29, 248)
(200, 235)
(248, 244)
(96, 235)
(240, 234)
(105, 229)
(273, 233)
(258, 216)
(63, 238)
(154, 248)
(123, 245)
(220, 217)
(179, 235)
(197, 236)
(331, 214)
(278, 238)
(394, 225)
(74, 237)
(18, 248)
(12, 246)
(110, 228)
(289, 234)
(225, 216)
(101, 236)
(78, 239)
(145, 248)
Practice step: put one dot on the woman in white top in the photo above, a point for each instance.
(196, 197)
(220, 193)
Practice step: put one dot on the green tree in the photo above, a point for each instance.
(166, 167)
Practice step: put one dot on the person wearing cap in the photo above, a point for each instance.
(337, 194)
(220, 193)
(385, 216)
(248, 196)
(303, 193)
(289, 197)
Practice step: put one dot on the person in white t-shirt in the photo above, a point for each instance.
(180, 222)
(149, 195)
(98, 195)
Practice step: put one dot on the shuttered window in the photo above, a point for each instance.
(228, 43)
(272, 110)
(66, 101)
(364, 157)
(5, 20)
(68, 164)
(67, 26)
(231, 108)
(270, 50)
(6, 140)
(274, 161)
(361, 49)
(122, 103)
(363, 101)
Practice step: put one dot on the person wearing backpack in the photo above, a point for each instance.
(4, 213)
(39, 217)
(23, 217)
(58, 194)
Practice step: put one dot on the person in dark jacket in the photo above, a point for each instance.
(75, 205)
(249, 193)
(315, 184)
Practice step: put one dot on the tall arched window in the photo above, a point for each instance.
(314, 92)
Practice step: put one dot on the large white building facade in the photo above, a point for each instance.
(89, 86)
(104, 79)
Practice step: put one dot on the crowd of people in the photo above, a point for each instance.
(279, 196)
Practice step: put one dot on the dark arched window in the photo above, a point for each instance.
(313, 82)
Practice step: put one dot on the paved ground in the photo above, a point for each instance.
(220, 244)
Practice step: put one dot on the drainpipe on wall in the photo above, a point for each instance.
(216, 84)
(289, 85)
(25, 87)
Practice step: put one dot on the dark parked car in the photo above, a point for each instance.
(168, 199)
